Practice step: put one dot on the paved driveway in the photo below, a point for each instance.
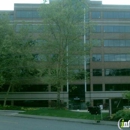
(24, 123)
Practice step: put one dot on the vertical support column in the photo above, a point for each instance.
(49, 90)
(12, 101)
(103, 87)
(110, 107)
(67, 71)
(85, 68)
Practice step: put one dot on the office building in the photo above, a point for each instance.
(109, 64)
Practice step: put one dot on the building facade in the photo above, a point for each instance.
(109, 64)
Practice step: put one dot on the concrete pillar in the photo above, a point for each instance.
(110, 107)
(103, 87)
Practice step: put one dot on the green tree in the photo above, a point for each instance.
(62, 42)
(14, 55)
(126, 95)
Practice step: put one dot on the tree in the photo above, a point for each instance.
(14, 55)
(62, 41)
(126, 95)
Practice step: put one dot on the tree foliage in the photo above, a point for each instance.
(62, 40)
(14, 55)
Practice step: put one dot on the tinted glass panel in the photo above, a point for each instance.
(97, 72)
(27, 14)
(96, 57)
(117, 72)
(96, 15)
(116, 15)
(117, 57)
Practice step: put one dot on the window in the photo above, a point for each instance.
(96, 42)
(95, 15)
(97, 87)
(116, 15)
(117, 29)
(27, 14)
(96, 57)
(97, 72)
(97, 29)
(117, 72)
(116, 43)
(117, 87)
(117, 57)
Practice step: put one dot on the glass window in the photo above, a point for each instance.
(127, 29)
(96, 57)
(97, 72)
(123, 57)
(96, 42)
(97, 87)
(111, 57)
(127, 42)
(116, 29)
(97, 29)
(106, 57)
(128, 57)
(116, 15)
(107, 72)
(127, 15)
(117, 72)
(110, 72)
(108, 28)
(122, 42)
(117, 58)
(117, 43)
(96, 15)
(121, 14)
(106, 42)
(27, 14)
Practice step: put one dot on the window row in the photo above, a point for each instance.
(110, 15)
(79, 60)
(112, 72)
(111, 57)
(110, 42)
(30, 28)
(111, 28)
(27, 14)
(117, 29)
(117, 57)
(117, 43)
(5, 15)
(117, 87)
(33, 88)
(117, 72)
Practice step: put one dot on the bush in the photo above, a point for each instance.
(10, 107)
(125, 114)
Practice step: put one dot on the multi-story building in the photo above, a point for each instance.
(109, 64)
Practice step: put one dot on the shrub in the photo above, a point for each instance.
(125, 114)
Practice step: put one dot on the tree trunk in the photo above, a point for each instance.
(7, 93)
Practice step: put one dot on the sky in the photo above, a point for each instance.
(9, 4)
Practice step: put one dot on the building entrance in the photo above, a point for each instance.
(76, 97)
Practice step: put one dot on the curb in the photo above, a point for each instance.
(66, 119)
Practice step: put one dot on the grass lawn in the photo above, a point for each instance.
(63, 113)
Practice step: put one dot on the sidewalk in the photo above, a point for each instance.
(103, 111)
(16, 114)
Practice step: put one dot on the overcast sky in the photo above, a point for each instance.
(9, 4)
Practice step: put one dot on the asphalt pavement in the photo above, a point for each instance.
(15, 113)
(35, 123)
